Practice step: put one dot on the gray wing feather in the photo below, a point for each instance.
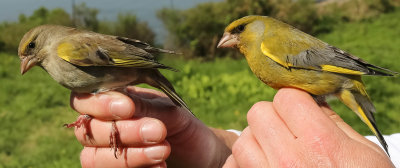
(330, 55)
(104, 50)
(144, 46)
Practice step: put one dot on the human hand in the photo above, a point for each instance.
(151, 130)
(293, 131)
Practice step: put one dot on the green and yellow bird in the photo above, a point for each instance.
(89, 62)
(283, 56)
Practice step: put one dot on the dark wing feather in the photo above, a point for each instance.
(372, 69)
(145, 46)
(338, 61)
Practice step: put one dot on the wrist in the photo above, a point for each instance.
(227, 137)
(223, 147)
(199, 146)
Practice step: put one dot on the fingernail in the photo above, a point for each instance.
(151, 131)
(156, 153)
(120, 108)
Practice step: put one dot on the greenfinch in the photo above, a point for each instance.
(89, 62)
(283, 56)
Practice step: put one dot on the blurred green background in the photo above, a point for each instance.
(217, 84)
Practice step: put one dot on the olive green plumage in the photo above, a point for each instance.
(283, 56)
(88, 62)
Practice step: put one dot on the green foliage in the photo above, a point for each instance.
(219, 92)
(59, 17)
(129, 26)
(86, 17)
(11, 33)
(33, 109)
(196, 30)
(356, 10)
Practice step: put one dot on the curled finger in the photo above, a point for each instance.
(131, 157)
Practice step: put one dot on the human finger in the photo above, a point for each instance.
(301, 113)
(131, 157)
(248, 152)
(144, 92)
(269, 130)
(163, 109)
(110, 105)
(134, 132)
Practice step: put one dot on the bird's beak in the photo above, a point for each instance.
(27, 63)
(228, 40)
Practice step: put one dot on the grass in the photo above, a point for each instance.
(33, 107)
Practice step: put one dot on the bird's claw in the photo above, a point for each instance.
(82, 121)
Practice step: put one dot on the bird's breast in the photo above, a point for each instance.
(277, 76)
(89, 79)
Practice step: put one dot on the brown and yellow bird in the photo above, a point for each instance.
(89, 62)
(283, 56)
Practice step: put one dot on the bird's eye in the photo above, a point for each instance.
(239, 28)
(31, 45)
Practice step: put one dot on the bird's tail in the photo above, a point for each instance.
(357, 99)
(159, 81)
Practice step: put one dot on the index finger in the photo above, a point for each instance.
(302, 114)
(110, 105)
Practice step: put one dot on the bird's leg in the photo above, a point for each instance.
(321, 100)
(115, 140)
(83, 120)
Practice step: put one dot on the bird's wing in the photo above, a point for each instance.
(316, 55)
(91, 49)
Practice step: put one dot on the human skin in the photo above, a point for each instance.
(152, 129)
(298, 133)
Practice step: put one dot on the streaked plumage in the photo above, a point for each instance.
(283, 56)
(88, 62)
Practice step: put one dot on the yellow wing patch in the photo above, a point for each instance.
(332, 68)
(275, 58)
(70, 53)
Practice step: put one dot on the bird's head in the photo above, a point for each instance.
(33, 47)
(29, 50)
(243, 32)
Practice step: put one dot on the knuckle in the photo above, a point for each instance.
(257, 110)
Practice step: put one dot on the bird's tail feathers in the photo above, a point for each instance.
(159, 50)
(145, 46)
(376, 70)
(358, 101)
(162, 83)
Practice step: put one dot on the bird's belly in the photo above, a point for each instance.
(314, 82)
(96, 79)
